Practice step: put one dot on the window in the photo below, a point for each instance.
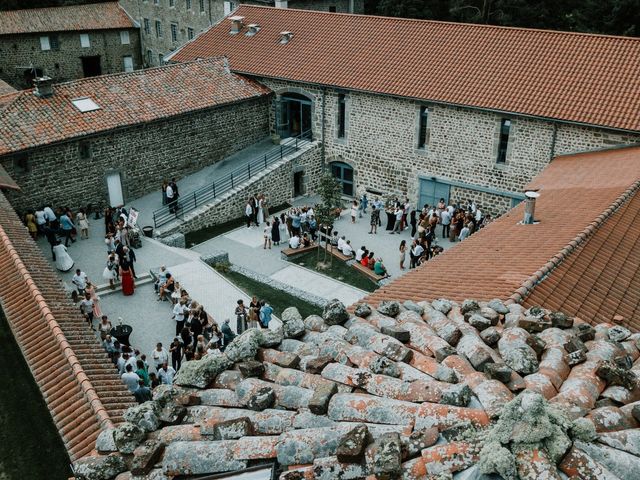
(172, 3)
(85, 104)
(188, 4)
(124, 37)
(174, 32)
(190, 33)
(149, 57)
(505, 127)
(127, 62)
(332, 8)
(84, 40)
(201, 6)
(161, 59)
(49, 42)
(344, 174)
(422, 127)
(229, 7)
(147, 26)
(84, 150)
(44, 43)
(53, 41)
(158, 29)
(342, 110)
(21, 163)
(156, 2)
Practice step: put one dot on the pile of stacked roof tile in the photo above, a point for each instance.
(413, 391)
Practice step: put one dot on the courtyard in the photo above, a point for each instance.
(259, 269)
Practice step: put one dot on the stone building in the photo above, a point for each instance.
(166, 25)
(117, 137)
(66, 43)
(429, 109)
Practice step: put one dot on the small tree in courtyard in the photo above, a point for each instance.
(328, 209)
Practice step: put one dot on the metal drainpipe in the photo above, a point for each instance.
(324, 97)
(210, 19)
(553, 141)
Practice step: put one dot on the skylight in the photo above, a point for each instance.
(85, 104)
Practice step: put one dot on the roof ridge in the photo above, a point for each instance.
(85, 384)
(442, 22)
(530, 283)
(134, 73)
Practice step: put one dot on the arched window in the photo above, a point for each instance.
(294, 116)
(344, 174)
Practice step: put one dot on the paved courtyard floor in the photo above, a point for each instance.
(245, 248)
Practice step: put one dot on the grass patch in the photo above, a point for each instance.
(338, 270)
(278, 299)
(30, 446)
(207, 233)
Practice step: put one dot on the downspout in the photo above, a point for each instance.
(324, 98)
(210, 19)
(553, 141)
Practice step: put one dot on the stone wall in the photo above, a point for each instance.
(382, 136)
(144, 155)
(65, 62)
(276, 182)
(185, 18)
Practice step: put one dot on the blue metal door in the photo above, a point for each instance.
(431, 191)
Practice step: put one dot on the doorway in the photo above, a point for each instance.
(114, 185)
(344, 174)
(91, 66)
(295, 116)
(431, 191)
(298, 187)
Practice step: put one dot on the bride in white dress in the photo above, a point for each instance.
(64, 262)
(260, 216)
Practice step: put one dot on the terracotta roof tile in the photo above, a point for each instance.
(599, 291)
(591, 79)
(5, 88)
(303, 419)
(496, 261)
(55, 341)
(93, 16)
(124, 99)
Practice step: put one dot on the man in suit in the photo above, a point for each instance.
(130, 256)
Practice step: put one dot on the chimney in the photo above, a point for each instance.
(285, 37)
(530, 207)
(236, 24)
(253, 29)
(43, 87)
(281, 3)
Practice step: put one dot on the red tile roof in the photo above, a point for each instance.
(93, 16)
(583, 78)
(5, 88)
(601, 278)
(6, 181)
(504, 260)
(124, 99)
(78, 381)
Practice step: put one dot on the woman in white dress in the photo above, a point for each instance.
(110, 272)
(260, 216)
(64, 262)
(83, 224)
(267, 235)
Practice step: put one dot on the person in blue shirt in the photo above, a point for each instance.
(265, 313)
(67, 226)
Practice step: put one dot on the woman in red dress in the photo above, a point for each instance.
(126, 277)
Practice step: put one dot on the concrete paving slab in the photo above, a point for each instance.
(318, 284)
(252, 237)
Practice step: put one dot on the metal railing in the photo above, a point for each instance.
(192, 200)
